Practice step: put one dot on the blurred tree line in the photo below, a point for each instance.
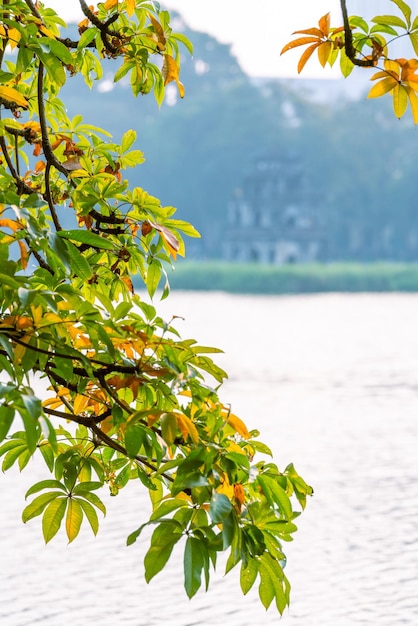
(198, 151)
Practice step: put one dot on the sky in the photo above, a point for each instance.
(256, 29)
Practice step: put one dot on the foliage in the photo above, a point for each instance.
(96, 383)
(358, 43)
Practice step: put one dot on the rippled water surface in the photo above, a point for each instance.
(332, 383)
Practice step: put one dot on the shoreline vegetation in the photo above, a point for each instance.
(255, 278)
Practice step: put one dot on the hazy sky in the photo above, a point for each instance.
(257, 29)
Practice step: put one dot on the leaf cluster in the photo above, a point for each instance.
(138, 402)
(358, 43)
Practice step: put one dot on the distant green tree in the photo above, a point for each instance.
(93, 381)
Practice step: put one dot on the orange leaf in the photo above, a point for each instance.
(324, 24)
(109, 4)
(302, 41)
(310, 31)
(8, 223)
(239, 495)
(40, 166)
(238, 425)
(24, 254)
(306, 56)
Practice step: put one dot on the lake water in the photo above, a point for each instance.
(331, 381)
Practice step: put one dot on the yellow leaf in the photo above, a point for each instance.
(8, 239)
(383, 86)
(392, 66)
(238, 425)
(187, 427)
(80, 403)
(12, 95)
(413, 100)
(384, 74)
(130, 7)
(400, 100)
(14, 37)
(45, 31)
(159, 32)
(52, 403)
(73, 519)
(170, 72)
(109, 4)
(324, 51)
(226, 488)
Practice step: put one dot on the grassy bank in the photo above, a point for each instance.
(313, 278)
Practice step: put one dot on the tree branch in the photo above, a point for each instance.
(103, 27)
(46, 145)
(348, 41)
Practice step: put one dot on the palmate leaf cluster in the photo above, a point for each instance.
(358, 43)
(93, 381)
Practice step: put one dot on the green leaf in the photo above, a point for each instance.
(163, 540)
(44, 484)
(7, 414)
(37, 506)
(133, 439)
(81, 488)
(84, 236)
(87, 37)
(195, 555)
(153, 277)
(220, 507)
(90, 513)
(59, 49)
(275, 494)
(389, 20)
(48, 454)
(169, 428)
(52, 518)
(273, 583)
(128, 139)
(95, 500)
(248, 575)
(405, 9)
(13, 455)
(167, 506)
(79, 263)
(53, 66)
